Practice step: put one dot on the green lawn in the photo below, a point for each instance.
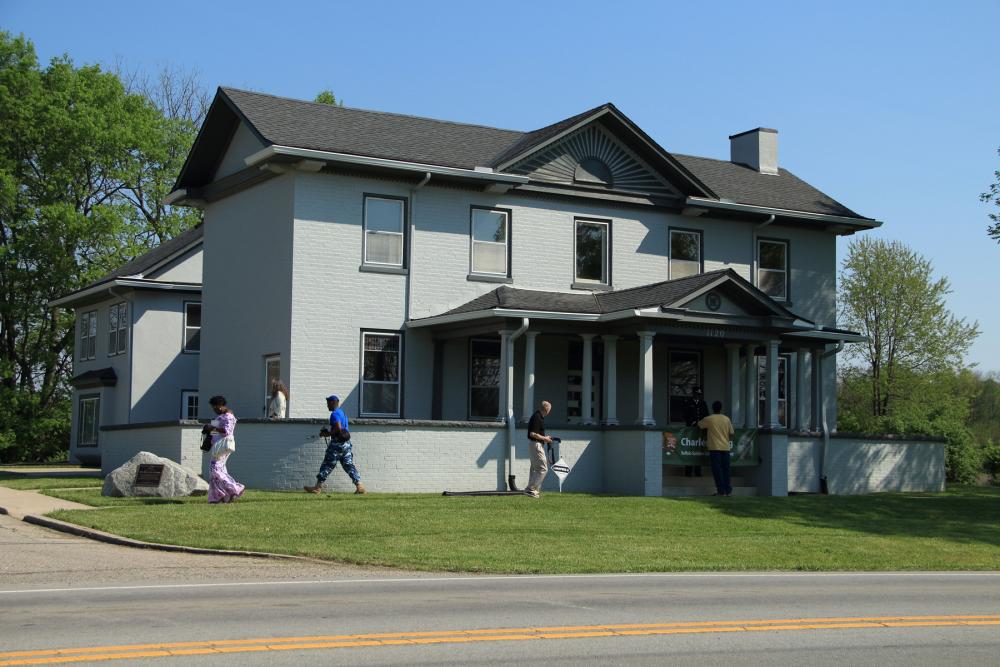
(16, 480)
(569, 533)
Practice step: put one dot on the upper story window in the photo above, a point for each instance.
(772, 268)
(490, 241)
(593, 252)
(385, 230)
(88, 335)
(117, 328)
(381, 386)
(685, 253)
(192, 326)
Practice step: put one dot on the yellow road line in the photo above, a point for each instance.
(122, 652)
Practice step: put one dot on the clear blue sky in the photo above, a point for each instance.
(893, 108)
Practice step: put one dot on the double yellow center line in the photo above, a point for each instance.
(99, 653)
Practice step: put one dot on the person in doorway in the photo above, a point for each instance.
(538, 440)
(720, 433)
(222, 488)
(695, 409)
(338, 450)
(277, 405)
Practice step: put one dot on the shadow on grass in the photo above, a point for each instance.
(962, 515)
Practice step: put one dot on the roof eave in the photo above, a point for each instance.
(132, 283)
(852, 223)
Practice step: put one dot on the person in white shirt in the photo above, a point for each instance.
(277, 405)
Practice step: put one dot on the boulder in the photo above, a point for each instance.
(175, 480)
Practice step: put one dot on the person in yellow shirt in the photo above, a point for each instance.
(720, 433)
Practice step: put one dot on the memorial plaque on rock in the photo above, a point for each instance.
(148, 474)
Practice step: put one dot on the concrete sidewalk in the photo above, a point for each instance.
(19, 504)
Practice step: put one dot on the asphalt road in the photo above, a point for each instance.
(65, 593)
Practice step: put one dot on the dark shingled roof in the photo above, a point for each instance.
(323, 127)
(105, 377)
(645, 296)
(146, 261)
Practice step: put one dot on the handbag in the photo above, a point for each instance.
(206, 442)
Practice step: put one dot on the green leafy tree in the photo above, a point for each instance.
(83, 166)
(888, 293)
(327, 97)
(993, 195)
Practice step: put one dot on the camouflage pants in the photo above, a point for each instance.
(338, 452)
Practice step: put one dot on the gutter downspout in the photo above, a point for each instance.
(509, 379)
(409, 247)
(131, 346)
(826, 428)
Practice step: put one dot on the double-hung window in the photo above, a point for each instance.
(381, 388)
(88, 421)
(490, 241)
(385, 230)
(592, 252)
(117, 329)
(484, 379)
(772, 268)
(189, 405)
(192, 326)
(685, 253)
(88, 335)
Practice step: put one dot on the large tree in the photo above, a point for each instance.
(84, 166)
(889, 294)
(993, 195)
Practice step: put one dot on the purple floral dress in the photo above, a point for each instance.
(222, 488)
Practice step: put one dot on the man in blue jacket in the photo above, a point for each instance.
(339, 449)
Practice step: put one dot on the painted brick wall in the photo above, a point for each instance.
(869, 466)
(803, 465)
(175, 442)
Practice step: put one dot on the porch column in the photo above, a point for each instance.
(506, 372)
(646, 377)
(817, 388)
(800, 390)
(733, 368)
(750, 404)
(610, 380)
(586, 382)
(528, 408)
(771, 396)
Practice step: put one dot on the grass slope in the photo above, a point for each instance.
(20, 481)
(571, 533)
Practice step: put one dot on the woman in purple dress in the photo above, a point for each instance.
(222, 488)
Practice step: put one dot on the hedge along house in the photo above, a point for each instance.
(443, 278)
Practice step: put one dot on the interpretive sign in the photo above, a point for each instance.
(148, 474)
(686, 446)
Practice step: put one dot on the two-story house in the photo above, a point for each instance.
(138, 336)
(441, 275)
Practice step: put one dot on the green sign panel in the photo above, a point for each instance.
(686, 446)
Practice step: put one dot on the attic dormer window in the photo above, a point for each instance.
(592, 171)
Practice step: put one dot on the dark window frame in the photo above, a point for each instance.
(587, 283)
(184, 329)
(119, 306)
(670, 248)
(400, 381)
(785, 357)
(670, 367)
(787, 299)
(88, 398)
(472, 242)
(483, 339)
(402, 266)
(87, 340)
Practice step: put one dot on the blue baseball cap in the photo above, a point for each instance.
(333, 397)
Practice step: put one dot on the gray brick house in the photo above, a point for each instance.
(443, 275)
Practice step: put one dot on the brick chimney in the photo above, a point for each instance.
(757, 149)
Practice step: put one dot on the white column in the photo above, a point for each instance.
(750, 402)
(586, 382)
(733, 368)
(817, 387)
(610, 380)
(771, 395)
(646, 377)
(506, 373)
(528, 408)
(800, 390)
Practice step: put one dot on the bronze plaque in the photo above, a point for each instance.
(149, 474)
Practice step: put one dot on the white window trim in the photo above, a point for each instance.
(398, 381)
(606, 278)
(184, 342)
(86, 339)
(185, 394)
(785, 359)
(267, 385)
(670, 251)
(481, 386)
(96, 402)
(474, 242)
(402, 233)
(784, 272)
(123, 327)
